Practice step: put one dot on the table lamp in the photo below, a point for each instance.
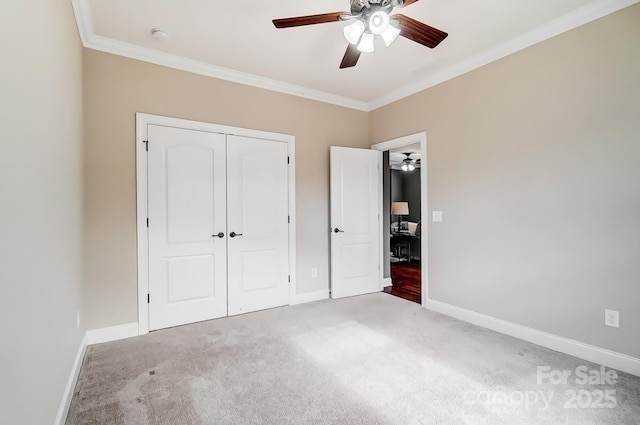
(399, 209)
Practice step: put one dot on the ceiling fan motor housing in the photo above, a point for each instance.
(366, 7)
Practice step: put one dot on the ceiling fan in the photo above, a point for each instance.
(409, 164)
(371, 17)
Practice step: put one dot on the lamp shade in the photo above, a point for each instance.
(379, 22)
(389, 35)
(399, 208)
(366, 43)
(353, 32)
(407, 166)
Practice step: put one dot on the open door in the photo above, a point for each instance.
(355, 230)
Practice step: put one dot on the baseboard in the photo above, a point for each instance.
(63, 410)
(386, 281)
(572, 347)
(307, 297)
(97, 336)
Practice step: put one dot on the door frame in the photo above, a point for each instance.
(424, 211)
(142, 122)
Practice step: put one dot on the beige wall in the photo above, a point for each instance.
(40, 207)
(535, 162)
(533, 159)
(115, 88)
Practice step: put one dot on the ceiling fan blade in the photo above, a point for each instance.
(408, 2)
(351, 57)
(419, 32)
(299, 21)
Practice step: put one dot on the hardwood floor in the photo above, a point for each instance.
(406, 281)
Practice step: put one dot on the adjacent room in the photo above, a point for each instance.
(405, 198)
(337, 212)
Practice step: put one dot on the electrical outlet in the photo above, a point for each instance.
(314, 272)
(612, 318)
(78, 320)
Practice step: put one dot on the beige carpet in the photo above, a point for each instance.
(374, 359)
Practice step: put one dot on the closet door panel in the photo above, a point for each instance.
(257, 213)
(187, 209)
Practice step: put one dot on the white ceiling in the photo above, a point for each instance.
(235, 40)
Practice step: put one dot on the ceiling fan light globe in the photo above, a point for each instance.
(353, 32)
(366, 43)
(404, 167)
(390, 35)
(411, 167)
(378, 22)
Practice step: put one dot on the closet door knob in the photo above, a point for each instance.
(220, 235)
(234, 234)
(336, 230)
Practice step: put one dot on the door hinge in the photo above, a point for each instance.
(289, 279)
(146, 145)
(287, 160)
(148, 299)
(288, 219)
(147, 221)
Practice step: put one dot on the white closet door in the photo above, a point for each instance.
(187, 210)
(355, 234)
(257, 214)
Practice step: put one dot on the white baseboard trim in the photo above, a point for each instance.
(307, 297)
(386, 281)
(113, 333)
(94, 336)
(63, 410)
(572, 347)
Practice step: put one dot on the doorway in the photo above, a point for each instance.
(404, 213)
(404, 193)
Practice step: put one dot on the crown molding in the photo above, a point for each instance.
(90, 40)
(581, 16)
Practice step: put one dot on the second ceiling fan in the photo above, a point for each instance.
(371, 18)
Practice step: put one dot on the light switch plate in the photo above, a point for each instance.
(436, 216)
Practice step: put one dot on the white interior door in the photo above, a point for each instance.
(355, 232)
(258, 224)
(187, 210)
